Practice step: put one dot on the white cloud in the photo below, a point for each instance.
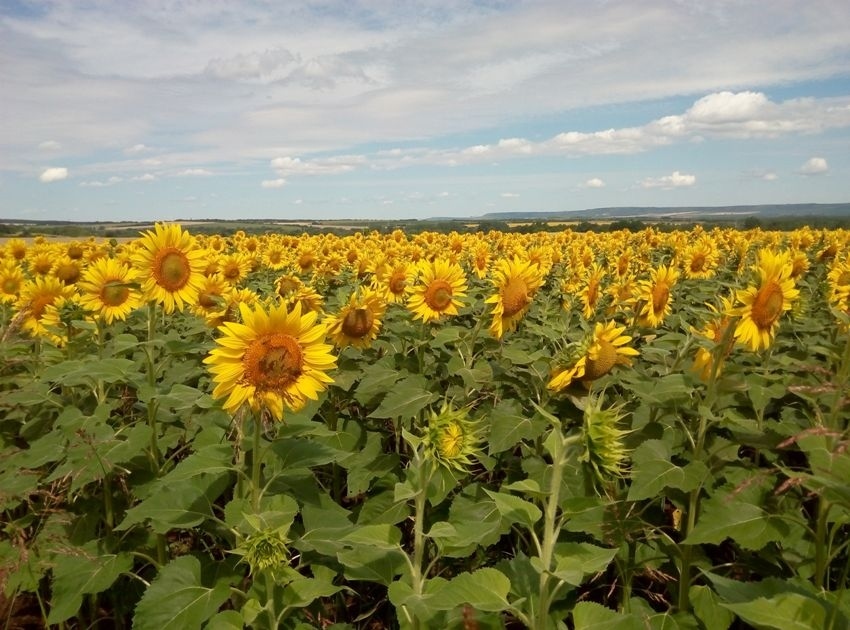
(53, 174)
(594, 182)
(102, 183)
(268, 65)
(509, 195)
(194, 172)
(273, 183)
(50, 145)
(147, 177)
(286, 165)
(674, 180)
(136, 149)
(770, 177)
(814, 166)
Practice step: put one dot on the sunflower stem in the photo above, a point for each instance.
(156, 458)
(256, 460)
(841, 384)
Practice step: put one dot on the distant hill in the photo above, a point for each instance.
(687, 213)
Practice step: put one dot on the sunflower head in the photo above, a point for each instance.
(452, 438)
(604, 451)
(358, 322)
(264, 550)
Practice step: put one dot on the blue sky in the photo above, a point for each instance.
(157, 109)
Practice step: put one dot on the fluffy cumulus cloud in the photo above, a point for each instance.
(53, 174)
(594, 182)
(814, 166)
(674, 180)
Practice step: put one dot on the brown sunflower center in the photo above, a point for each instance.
(39, 304)
(11, 286)
(697, 262)
(397, 282)
(306, 260)
(596, 368)
(438, 295)
(273, 362)
(231, 271)
(286, 285)
(514, 297)
(75, 252)
(767, 306)
(68, 273)
(660, 296)
(357, 323)
(207, 300)
(171, 269)
(41, 266)
(843, 279)
(114, 293)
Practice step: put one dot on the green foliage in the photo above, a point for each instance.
(128, 493)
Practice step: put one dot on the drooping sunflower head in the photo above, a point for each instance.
(438, 290)
(273, 358)
(592, 358)
(358, 322)
(171, 266)
(604, 451)
(452, 438)
(110, 290)
(516, 282)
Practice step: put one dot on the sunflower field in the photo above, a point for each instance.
(619, 430)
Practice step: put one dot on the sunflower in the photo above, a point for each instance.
(762, 305)
(700, 260)
(11, 280)
(40, 261)
(395, 280)
(171, 265)
(212, 299)
(358, 322)
(16, 249)
(838, 278)
(67, 269)
(590, 291)
(716, 330)
(604, 449)
(234, 267)
(437, 290)
(270, 359)
(516, 282)
(595, 357)
(110, 290)
(36, 295)
(452, 438)
(56, 321)
(653, 295)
